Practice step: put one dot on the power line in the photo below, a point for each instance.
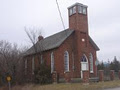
(60, 14)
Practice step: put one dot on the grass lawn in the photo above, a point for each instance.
(64, 86)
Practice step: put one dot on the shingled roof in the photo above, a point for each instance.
(50, 42)
(54, 41)
(93, 43)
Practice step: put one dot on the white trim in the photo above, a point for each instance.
(33, 65)
(41, 59)
(52, 62)
(25, 66)
(87, 65)
(73, 63)
(67, 59)
(77, 4)
(91, 63)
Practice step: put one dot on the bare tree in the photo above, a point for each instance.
(10, 60)
(33, 34)
(37, 48)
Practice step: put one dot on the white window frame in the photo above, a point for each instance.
(74, 9)
(84, 10)
(80, 9)
(33, 65)
(84, 65)
(91, 63)
(25, 66)
(73, 67)
(41, 58)
(52, 62)
(85, 62)
(66, 61)
(70, 11)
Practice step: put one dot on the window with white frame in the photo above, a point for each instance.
(33, 65)
(82, 9)
(84, 59)
(73, 67)
(66, 61)
(91, 62)
(42, 61)
(25, 66)
(84, 63)
(52, 62)
(72, 10)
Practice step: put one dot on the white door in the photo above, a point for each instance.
(84, 65)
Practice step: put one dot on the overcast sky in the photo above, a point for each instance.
(103, 16)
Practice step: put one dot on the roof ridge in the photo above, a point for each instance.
(55, 34)
(51, 42)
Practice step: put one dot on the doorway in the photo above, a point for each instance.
(84, 64)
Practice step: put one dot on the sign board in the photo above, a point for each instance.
(8, 78)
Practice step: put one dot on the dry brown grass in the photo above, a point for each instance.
(63, 86)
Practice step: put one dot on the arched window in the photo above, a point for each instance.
(25, 66)
(73, 61)
(42, 60)
(33, 65)
(91, 62)
(52, 62)
(84, 63)
(66, 61)
(84, 59)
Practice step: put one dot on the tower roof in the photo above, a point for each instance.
(77, 4)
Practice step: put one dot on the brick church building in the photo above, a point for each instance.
(69, 51)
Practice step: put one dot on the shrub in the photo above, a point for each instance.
(43, 74)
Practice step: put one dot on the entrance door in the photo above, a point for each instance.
(84, 64)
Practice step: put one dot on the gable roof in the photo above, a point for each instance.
(54, 41)
(50, 42)
(93, 44)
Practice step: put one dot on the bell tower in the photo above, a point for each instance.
(78, 17)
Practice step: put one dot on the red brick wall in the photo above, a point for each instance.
(93, 51)
(78, 22)
(68, 45)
